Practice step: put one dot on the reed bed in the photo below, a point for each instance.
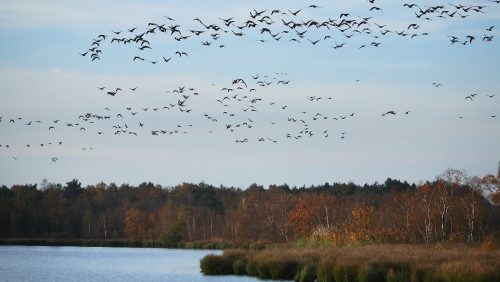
(361, 263)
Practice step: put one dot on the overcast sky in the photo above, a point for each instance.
(271, 135)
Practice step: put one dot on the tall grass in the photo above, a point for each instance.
(216, 265)
(368, 263)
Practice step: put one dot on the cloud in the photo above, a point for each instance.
(80, 14)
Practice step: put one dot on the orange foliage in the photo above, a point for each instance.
(135, 224)
(495, 198)
(312, 210)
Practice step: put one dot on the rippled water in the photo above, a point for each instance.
(27, 263)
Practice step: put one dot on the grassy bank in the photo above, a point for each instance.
(361, 263)
(208, 245)
(83, 242)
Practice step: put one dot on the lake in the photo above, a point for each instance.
(29, 263)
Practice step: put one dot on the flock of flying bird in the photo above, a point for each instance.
(239, 112)
(239, 101)
(280, 25)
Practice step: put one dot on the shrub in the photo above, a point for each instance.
(173, 235)
(488, 243)
(282, 269)
(372, 273)
(235, 254)
(379, 272)
(239, 267)
(221, 246)
(251, 268)
(306, 274)
(346, 273)
(422, 274)
(263, 270)
(256, 246)
(398, 276)
(216, 265)
(472, 272)
(324, 272)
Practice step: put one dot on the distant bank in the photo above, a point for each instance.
(122, 243)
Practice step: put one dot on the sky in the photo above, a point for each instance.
(302, 113)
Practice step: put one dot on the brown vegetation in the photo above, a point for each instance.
(381, 262)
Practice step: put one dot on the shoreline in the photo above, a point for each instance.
(126, 243)
(82, 243)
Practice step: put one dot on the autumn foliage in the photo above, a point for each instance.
(453, 208)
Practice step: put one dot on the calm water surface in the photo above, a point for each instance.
(27, 263)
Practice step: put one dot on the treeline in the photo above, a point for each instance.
(451, 208)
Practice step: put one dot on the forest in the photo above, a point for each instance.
(452, 208)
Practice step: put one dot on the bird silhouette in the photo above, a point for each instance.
(410, 5)
(314, 42)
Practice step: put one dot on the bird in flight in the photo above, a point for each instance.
(389, 113)
(410, 5)
(314, 42)
(181, 53)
